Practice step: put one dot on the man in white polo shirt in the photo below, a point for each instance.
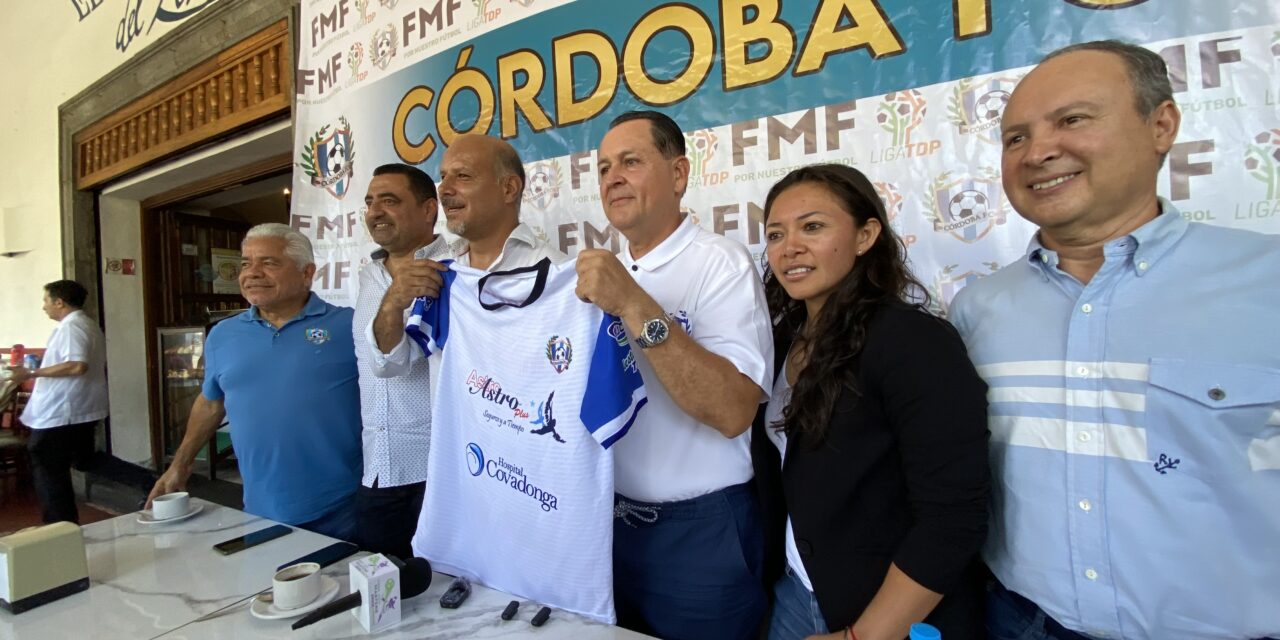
(69, 399)
(688, 550)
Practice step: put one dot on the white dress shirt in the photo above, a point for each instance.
(522, 249)
(709, 285)
(58, 402)
(395, 413)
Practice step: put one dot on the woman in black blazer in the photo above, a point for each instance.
(877, 505)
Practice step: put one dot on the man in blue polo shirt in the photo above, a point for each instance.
(284, 372)
(1134, 371)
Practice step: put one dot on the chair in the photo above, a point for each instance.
(14, 462)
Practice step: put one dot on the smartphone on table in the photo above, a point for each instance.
(251, 539)
(326, 556)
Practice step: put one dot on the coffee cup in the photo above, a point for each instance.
(170, 505)
(296, 585)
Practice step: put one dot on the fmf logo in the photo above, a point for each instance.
(967, 208)
(976, 107)
(328, 158)
(544, 184)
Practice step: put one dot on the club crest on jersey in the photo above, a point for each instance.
(616, 332)
(317, 335)
(559, 353)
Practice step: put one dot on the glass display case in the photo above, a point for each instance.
(181, 374)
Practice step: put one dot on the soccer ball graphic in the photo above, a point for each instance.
(539, 183)
(335, 157)
(968, 203)
(383, 46)
(991, 105)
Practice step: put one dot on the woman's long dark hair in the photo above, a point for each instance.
(838, 335)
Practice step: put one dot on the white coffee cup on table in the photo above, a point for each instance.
(296, 585)
(170, 505)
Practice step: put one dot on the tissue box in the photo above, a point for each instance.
(41, 564)
(377, 581)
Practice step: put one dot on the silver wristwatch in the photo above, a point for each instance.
(654, 332)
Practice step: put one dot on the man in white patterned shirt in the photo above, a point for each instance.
(396, 413)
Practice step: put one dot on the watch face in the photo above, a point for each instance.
(655, 331)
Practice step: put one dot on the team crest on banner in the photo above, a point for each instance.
(390, 4)
(317, 335)
(382, 48)
(559, 353)
(976, 107)
(947, 283)
(544, 184)
(1262, 161)
(328, 158)
(968, 208)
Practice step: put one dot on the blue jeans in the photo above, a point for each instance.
(796, 615)
(1013, 617)
(339, 523)
(692, 568)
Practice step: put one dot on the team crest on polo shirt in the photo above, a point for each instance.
(316, 335)
(559, 353)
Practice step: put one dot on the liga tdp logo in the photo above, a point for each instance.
(1262, 161)
(901, 113)
(328, 158)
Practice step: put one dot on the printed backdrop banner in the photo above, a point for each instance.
(911, 96)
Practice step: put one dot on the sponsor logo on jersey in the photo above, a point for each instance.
(509, 474)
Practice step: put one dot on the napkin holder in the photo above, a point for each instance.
(42, 564)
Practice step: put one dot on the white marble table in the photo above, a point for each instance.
(423, 617)
(166, 581)
(146, 580)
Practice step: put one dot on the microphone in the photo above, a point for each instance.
(415, 577)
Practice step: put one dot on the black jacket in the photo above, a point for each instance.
(902, 477)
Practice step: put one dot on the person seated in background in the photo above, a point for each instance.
(871, 454)
(284, 373)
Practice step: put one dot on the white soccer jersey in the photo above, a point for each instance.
(534, 387)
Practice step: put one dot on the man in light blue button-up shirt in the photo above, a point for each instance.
(1134, 366)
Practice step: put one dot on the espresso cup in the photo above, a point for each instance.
(296, 585)
(170, 505)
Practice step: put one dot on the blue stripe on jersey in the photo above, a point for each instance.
(434, 313)
(635, 412)
(612, 385)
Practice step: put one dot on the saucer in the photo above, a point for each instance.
(144, 516)
(265, 611)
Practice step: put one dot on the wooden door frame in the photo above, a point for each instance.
(197, 40)
(153, 282)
